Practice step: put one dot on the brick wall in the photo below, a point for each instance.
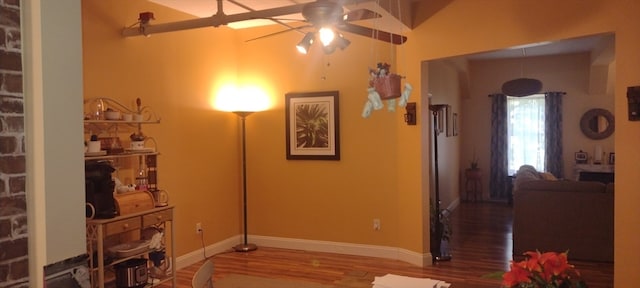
(13, 208)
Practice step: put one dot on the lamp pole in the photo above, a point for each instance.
(245, 246)
(437, 255)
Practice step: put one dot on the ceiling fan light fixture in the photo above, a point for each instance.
(329, 49)
(326, 35)
(305, 44)
(342, 42)
(338, 42)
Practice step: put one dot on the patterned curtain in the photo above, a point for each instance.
(498, 165)
(553, 133)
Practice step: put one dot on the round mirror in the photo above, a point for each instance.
(597, 124)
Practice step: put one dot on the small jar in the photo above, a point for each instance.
(142, 183)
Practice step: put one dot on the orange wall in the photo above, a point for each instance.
(320, 200)
(467, 26)
(381, 173)
(175, 74)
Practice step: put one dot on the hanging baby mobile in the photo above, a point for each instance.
(384, 85)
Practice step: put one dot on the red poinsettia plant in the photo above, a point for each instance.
(543, 270)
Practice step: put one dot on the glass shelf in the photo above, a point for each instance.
(94, 109)
(121, 155)
(121, 122)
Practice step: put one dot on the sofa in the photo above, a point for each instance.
(562, 215)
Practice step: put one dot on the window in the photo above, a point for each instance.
(526, 132)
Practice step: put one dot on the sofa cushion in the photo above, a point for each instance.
(610, 188)
(548, 176)
(564, 185)
(526, 173)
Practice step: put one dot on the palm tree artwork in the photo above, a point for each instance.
(312, 125)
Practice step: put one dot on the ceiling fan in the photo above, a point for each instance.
(326, 18)
(318, 15)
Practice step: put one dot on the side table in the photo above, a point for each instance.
(473, 183)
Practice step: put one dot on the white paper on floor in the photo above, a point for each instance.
(397, 281)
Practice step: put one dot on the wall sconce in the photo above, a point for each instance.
(411, 115)
(633, 103)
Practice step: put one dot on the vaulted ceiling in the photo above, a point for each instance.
(392, 11)
(396, 17)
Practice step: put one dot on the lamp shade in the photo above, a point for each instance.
(246, 99)
(305, 44)
(597, 155)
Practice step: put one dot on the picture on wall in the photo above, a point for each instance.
(455, 124)
(443, 119)
(312, 126)
(448, 112)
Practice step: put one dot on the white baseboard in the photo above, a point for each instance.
(343, 248)
(213, 249)
(394, 253)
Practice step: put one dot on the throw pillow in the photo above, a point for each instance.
(548, 176)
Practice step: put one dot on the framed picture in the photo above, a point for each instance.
(454, 119)
(312, 126)
(449, 121)
(441, 119)
(581, 157)
(612, 158)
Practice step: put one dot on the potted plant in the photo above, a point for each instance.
(543, 270)
(474, 162)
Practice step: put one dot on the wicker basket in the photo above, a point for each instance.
(388, 86)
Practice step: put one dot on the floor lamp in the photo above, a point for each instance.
(245, 246)
(437, 254)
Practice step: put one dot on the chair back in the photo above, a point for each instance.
(202, 278)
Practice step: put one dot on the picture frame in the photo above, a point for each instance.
(455, 124)
(612, 158)
(449, 121)
(440, 124)
(312, 125)
(581, 157)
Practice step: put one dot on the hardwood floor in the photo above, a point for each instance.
(480, 245)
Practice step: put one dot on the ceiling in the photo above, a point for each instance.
(600, 45)
(206, 8)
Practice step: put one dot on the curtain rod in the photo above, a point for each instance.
(562, 93)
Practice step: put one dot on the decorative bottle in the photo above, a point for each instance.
(141, 178)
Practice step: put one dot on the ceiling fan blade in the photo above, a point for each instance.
(281, 32)
(213, 21)
(360, 14)
(373, 33)
(277, 21)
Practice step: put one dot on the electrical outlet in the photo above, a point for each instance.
(376, 224)
(198, 228)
